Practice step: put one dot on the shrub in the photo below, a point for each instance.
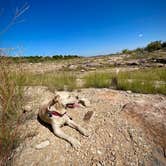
(156, 45)
(126, 51)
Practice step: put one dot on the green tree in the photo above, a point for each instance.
(126, 51)
(156, 45)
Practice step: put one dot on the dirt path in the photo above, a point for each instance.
(114, 138)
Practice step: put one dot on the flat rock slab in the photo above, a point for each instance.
(151, 118)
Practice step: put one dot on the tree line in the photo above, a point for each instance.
(36, 59)
(152, 46)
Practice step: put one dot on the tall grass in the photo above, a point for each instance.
(10, 111)
(97, 80)
(158, 74)
(141, 86)
(59, 81)
(152, 80)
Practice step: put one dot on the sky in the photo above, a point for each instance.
(81, 27)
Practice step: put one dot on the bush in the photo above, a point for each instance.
(126, 51)
(153, 46)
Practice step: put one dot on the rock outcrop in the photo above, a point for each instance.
(125, 129)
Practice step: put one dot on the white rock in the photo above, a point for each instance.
(99, 152)
(42, 144)
(129, 91)
(27, 108)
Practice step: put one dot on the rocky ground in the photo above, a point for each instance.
(125, 129)
(83, 64)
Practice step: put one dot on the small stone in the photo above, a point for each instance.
(27, 108)
(88, 116)
(113, 153)
(110, 135)
(99, 152)
(42, 144)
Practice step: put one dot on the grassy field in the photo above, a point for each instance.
(152, 80)
(59, 81)
(97, 80)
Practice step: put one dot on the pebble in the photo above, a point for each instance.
(129, 91)
(99, 152)
(27, 108)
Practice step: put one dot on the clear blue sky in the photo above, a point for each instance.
(83, 27)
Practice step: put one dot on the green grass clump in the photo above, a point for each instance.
(98, 80)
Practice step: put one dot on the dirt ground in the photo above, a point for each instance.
(122, 133)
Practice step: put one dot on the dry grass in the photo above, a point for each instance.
(10, 111)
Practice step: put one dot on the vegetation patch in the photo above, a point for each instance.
(60, 81)
(98, 80)
(11, 100)
(152, 80)
(39, 59)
